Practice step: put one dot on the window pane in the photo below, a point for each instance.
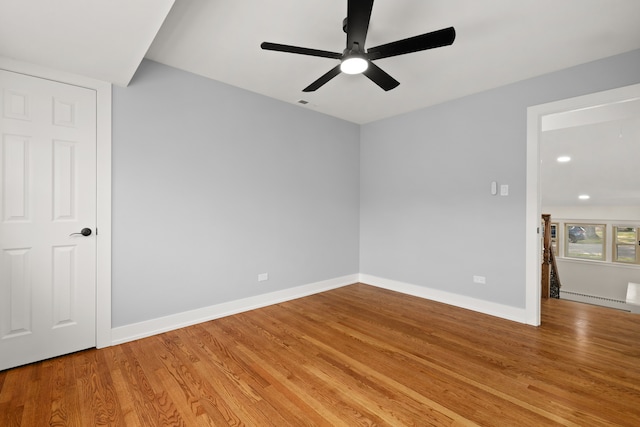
(626, 235)
(585, 241)
(626, 253)
(625, 241)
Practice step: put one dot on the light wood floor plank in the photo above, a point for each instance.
(353, 356)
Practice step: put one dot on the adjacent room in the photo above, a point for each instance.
(209, 219)
(589, 186)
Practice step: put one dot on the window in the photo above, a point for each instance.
(585, 241)
(624, 244)
(554, 237)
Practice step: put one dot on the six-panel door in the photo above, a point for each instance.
(47, 193)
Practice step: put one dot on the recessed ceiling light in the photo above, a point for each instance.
(584, 197)
(563, 159)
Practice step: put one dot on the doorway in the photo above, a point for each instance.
(540, 118)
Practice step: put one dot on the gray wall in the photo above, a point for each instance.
(426, 215)
(213, 185)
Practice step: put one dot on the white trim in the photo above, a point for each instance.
(481, 306)
(598, 263)
(103, 224)
(172, 322)
(533, 214)
(535, 115)
(159, 325)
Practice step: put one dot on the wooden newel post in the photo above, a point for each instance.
(546, 256)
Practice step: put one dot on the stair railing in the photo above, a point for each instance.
(549, 266)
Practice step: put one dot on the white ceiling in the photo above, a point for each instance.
(105, 40)
(603, 143)
(498, 42)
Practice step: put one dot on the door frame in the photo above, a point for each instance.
(103, 183)
(537, 115)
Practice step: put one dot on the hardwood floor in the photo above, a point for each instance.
(353, 356)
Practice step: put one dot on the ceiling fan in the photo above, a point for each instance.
(355, 58)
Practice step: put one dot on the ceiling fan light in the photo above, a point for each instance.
(353, 65)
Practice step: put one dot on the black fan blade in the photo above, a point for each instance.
(322, 80)
(431, 40)
(380, 77)
(358, 16)
(300, 50)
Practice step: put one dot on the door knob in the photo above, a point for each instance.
(84, 232)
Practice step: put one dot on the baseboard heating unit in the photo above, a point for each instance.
(593, 299)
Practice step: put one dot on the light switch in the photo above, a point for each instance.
(504, 190)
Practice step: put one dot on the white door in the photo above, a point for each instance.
(47, 193)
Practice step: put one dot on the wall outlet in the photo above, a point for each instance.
(263, 276)
(504, 190)
(479, 279)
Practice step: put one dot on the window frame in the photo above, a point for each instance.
(566, 241)
(615, 243)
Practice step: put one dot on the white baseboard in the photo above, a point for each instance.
(151, 327)
(498, 310)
